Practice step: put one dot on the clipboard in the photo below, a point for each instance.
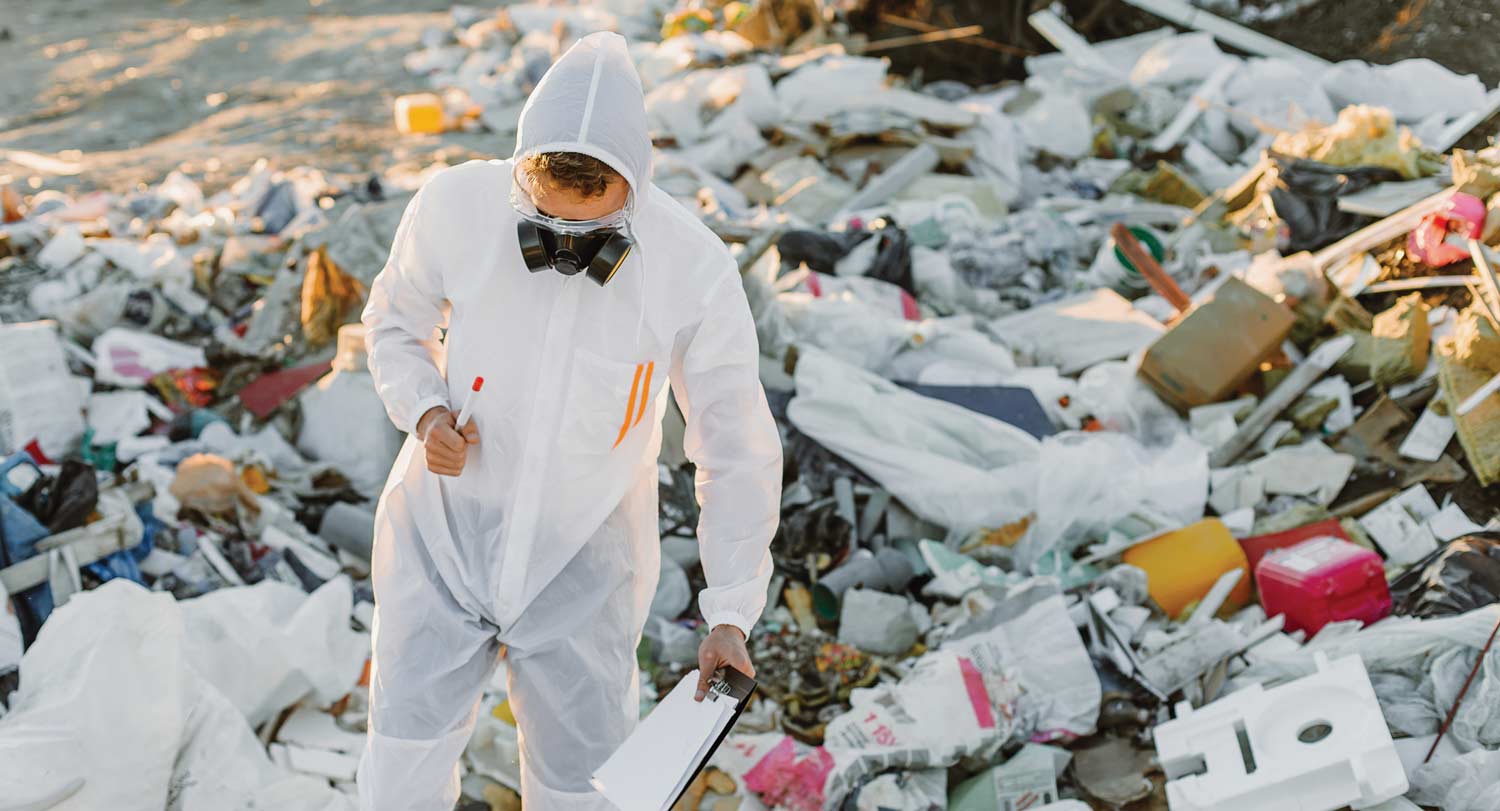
(654, 766)
(736, 687)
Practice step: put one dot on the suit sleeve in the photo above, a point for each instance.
(732, 439)
(403, 318)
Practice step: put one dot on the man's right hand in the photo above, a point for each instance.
(446, 447)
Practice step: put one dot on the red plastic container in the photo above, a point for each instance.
(1323, 580)
(1257, 547)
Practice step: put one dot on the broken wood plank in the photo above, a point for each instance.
(1144, 264)
(983, 42)
(924, 39)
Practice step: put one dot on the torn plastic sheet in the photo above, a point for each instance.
(269, 645)
(83, 732)
(1460, 577)
(955, 574)
(1412, 89)
(1274, 94)
(1463, 783)
(925, 790)
(1112, 393)
(1086, 481)
(1181, 59)
(948, 707)
(787, 774)
(1031, 635)
(948, 465)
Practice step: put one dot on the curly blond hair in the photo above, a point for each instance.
(571, 171)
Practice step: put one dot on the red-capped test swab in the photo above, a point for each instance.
(463, 413)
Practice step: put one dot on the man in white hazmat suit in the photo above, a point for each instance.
(534, 526)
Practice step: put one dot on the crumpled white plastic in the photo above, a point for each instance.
(1087, 481)
(1185, 58)
(1058, 122)
(1464, 783)
(1116, 396)
(267, 646)
(1412, 89)
(947, 464)
(112, 713)
(947, 708)
(1031, 634)
(1274, 93)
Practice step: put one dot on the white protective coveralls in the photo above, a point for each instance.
(548, 541)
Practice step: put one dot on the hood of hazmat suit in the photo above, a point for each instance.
(547, 542)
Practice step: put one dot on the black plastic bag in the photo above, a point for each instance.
(1306, 197)
(66, 501)
(893, 259)
(821, 251)
(1456, 579)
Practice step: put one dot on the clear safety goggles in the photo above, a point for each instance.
(521, 201)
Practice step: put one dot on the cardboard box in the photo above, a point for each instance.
(1215, 348)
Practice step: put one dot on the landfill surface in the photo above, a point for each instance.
(1139, 398)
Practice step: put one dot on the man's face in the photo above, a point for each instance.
(568, 204)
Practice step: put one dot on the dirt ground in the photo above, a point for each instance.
(127, 90)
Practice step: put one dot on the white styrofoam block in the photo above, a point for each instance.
(1316, 744)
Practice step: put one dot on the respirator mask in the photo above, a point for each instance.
(596, 248)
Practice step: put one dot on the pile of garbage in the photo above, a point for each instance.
(1139, 423)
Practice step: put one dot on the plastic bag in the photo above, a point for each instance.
(892, 261)
(1455, 579)
(1032, 637)
(1088, 481)
(209, 484)
(329, 296)
(949, 707)
(83, 734)
(947, 464)
(344, 422)
(270, 645)
(819, 250)
(926, 790)
(65, 501)
(1464, 783)
(1306, 198)
(1116, 396)
(790, 776)
(1413, 89)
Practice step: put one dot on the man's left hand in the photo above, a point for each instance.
(725, 645)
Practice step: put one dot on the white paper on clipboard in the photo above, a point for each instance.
(649, 770)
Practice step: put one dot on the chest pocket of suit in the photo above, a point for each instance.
(608, 402)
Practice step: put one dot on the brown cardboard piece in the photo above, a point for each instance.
(1217, 346)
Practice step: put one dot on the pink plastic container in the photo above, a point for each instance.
(1323, 580)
